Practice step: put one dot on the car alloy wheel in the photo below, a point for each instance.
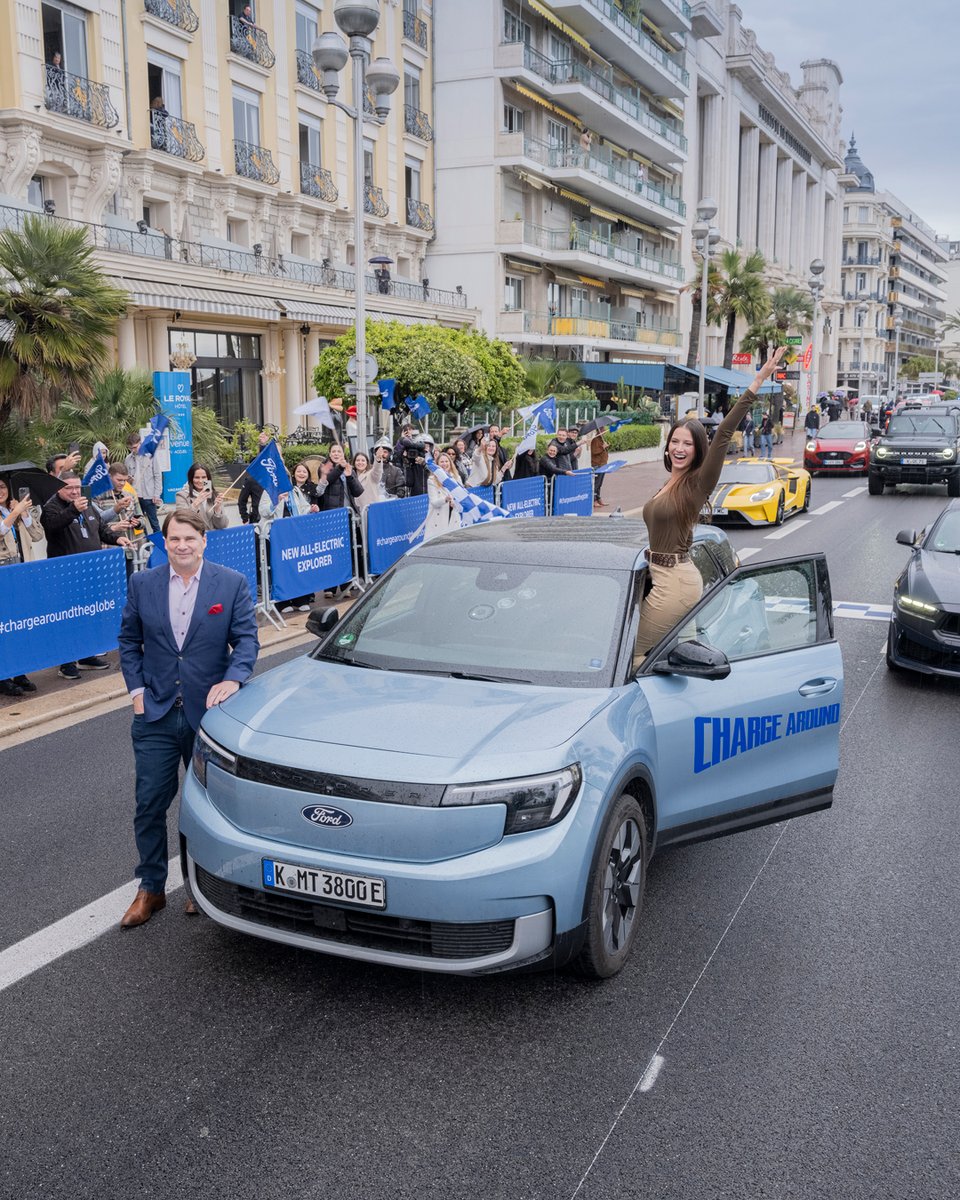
(615, 891)
(778, 519)
(806, 498)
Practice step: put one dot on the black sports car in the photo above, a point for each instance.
(925, 622)
(918, 447)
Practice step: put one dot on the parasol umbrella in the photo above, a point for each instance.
(468, 433)
(380, 259)
(598, 423)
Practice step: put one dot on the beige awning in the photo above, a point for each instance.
(153, 293)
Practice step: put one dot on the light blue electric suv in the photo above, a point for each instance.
(471, 771)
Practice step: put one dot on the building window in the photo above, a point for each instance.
(35, 191)
(226, 374)
(308, 25)
(411, 178)
(65, 35)
(863, 214)
(310, 140)
(512, 293)
(846, 213)
(557, 135)
(238, 231)
(411, 87)
(861, 282)
(859, 317)
(246, 115)
(555, 299)
(512, 119)
(368, 155)
(163, 83)
(515, 29)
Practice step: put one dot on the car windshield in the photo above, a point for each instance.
(548, 625)
(945, 535)
(843, 431)
(924, 423)
(747, 473)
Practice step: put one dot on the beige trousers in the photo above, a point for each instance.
(675, 591)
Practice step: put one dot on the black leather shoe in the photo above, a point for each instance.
(23, 682)
(9, 688)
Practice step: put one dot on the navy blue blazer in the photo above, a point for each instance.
(221, 642)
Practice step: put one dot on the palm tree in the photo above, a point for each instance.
(695, 287)
(759, 337)
(791, 308)
(548, 376)
(742, 295)
(60, 312)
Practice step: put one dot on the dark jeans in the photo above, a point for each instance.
(597, 485)
(149, 510)
(158, 749)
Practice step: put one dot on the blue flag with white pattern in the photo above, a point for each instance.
(268, 470)
(544, 412)
(388, 390)
(158, 426)
(97, 478)
(419, 405)
(473, 509)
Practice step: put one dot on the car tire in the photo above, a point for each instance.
(953, 486)
(806, 499)
(615, 891)
(874, 483)
(778, 519)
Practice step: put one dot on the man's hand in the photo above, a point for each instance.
(81, 503)
(124, 541)
(138, 705)
(122, 502)
(221, 691)
(72, 459)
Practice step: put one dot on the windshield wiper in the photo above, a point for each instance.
(459, 675)
(349, 662)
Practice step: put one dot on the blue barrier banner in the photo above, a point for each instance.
(172, 390)
(310, 553)
(393, 527)
(485, 493)
(525, 497)
(235, 547)
(573, 494)
(61, 609)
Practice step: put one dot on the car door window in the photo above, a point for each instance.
(706, 564)
(765, 609)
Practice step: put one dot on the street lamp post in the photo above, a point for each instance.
(706, 238)
(898, 326)
(937, 343)
(862, 310)
(358, 19)
(815, 283)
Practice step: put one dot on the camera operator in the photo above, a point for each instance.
(412, 451)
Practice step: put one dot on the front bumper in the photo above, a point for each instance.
(923, 649)
(931, 472)
(851, 464)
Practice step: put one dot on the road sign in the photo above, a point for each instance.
(780, 376)
(792, 373)
(742, 360)
(807, 359)
(372, 389)
(793, 339)
(370, 369)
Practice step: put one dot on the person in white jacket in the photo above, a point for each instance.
(442, 513)
(147, 480)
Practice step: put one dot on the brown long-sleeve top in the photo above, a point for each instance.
(668, 533)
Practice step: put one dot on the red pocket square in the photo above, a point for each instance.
(217, 608)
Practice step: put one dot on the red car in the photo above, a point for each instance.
(840, 446)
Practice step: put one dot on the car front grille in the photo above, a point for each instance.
(327, 786)
(370, 930)
(936, 658)
(951, 624)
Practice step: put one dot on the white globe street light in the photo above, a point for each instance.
(705, 238)
(815, 283)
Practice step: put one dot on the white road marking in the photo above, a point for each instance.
(651, 1073)
(787, 529)
(825, 508)
(748, 552)
(856, 492)
(71, 932)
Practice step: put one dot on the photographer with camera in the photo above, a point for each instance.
(410, 454)
(200, 496)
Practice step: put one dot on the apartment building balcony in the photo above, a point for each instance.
(374, 204)
(175, 136)
(317, 182)
(307, 71)
(174, 12)
(250, 42)
(603, 105)
(417, 123)
(74, 96)
(611, 32)
(521, 327)
(419, 215)
(415, 30)
(581, 249)
(870, 260)
(598, 174)
(255, 162)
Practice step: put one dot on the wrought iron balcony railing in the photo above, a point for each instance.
(415, 29)
(417, 123)
(255, 162)
(317, 182)
(588, 241)
(373, 201)
(249, 41)
(174, 12)
(369, 107)
(74, 96)
(153, 244)
(306, 71)
(419, 215)
(174, 136)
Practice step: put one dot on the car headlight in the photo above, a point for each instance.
(764, 494)
(882, 452)
(205, 751)
(811, 445)
(947, 452)
(532, 803)
(919, 608)
(859, 446)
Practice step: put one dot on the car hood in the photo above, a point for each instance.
(933, 575)
(421, 715)
(740, 493)
(846, 443)
(937, 440)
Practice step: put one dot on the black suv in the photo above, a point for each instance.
(918, 447)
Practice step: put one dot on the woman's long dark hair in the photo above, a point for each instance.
(687, 503)
(194, 468)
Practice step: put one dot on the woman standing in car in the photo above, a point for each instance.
(672, 512)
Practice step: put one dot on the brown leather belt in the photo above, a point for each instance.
(661, 558)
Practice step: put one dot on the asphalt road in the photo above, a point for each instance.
(797, 986)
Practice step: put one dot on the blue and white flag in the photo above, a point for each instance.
(419, 405)
(319, 408)
(473, 509)
(544, 411)
(617, 424)
(158, 426)
(614, 465)
(388, 388)
(97, 478)
(268, 470)
(529, 440)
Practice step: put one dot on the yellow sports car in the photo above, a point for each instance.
(760, 491)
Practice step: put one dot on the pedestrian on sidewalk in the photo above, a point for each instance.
(188, 640)
(766, 436)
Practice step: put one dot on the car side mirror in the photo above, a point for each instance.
(695, 659)
(907, 537)
(321, 621)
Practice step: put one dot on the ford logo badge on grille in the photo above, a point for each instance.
(323, 814)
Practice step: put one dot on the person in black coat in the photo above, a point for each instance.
(526, 465)
(341, 486)
(392, 481)
(552, 464)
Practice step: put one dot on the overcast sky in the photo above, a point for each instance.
(901, 87)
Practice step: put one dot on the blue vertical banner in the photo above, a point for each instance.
(310, 553)
(525, 497)
(393, 527)
(573, 494)
(172, 390)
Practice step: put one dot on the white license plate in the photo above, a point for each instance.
(913, 462)
(336, 886)
(719, 512)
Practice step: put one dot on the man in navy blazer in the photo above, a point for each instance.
(188, 640)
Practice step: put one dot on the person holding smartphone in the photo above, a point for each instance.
(15, 520)
(198, 495)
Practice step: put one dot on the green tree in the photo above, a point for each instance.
(60, 310)
(758, 339)
(919, 363)
(713, 291)
(791, 308)
(741, 295)
(552, 377)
